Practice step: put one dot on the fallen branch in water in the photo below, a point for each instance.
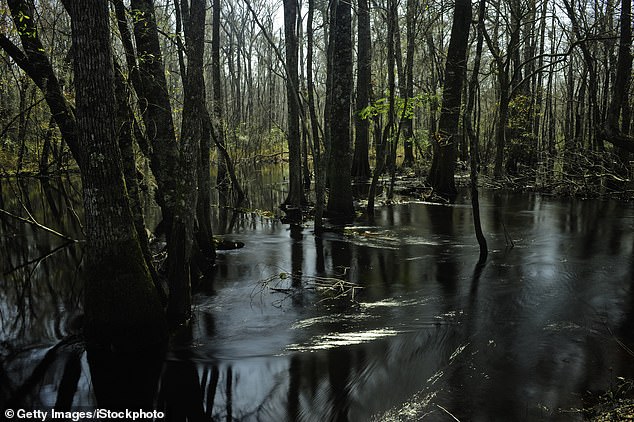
(291, 284)
(31, 221)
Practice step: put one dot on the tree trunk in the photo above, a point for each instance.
(222, 179)
(500, 129)
(361, 162)
(384, 137)
(318, 158)
(623, 70)
(340, 197)
(204, 232)
(124, 123)
(156, 108)
(295, 199)
(595, 141)
(408, 122)
(612, 131)
(179, 247)
(448, 130)
(23, 120)
(473, 137)
(122, 308)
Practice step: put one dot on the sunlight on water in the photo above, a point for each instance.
(333, 340)
(335, 318)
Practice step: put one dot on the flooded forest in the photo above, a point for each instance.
(311, 210)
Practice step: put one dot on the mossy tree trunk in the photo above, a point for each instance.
(125, 137)
(121, 305)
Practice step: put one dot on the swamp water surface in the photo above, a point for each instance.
(426, 337)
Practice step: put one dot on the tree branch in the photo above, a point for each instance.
(31, 221)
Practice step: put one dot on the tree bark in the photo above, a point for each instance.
(124, 124)
(361, 162)
(612, 129)
(295, 199)
(382, 147)
(122, 309)
(473, 137)
(340, 197)
(319, 161)
(623, 70)
(408, 122)
(448, 131)
(222, 179)
(155, 107)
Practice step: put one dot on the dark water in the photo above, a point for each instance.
(425, 338)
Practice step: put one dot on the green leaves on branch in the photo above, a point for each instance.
(382, 105)
(24, 25)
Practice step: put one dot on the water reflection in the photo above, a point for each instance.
(428, 335)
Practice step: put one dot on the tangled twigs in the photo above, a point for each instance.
(293, 284)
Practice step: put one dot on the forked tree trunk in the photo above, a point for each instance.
(122, 309)
(180, 243)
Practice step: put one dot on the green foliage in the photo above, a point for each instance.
(137, 15)
(23, 24)
(403, 107)
(520, 112)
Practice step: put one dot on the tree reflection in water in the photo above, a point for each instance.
(518, 338)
